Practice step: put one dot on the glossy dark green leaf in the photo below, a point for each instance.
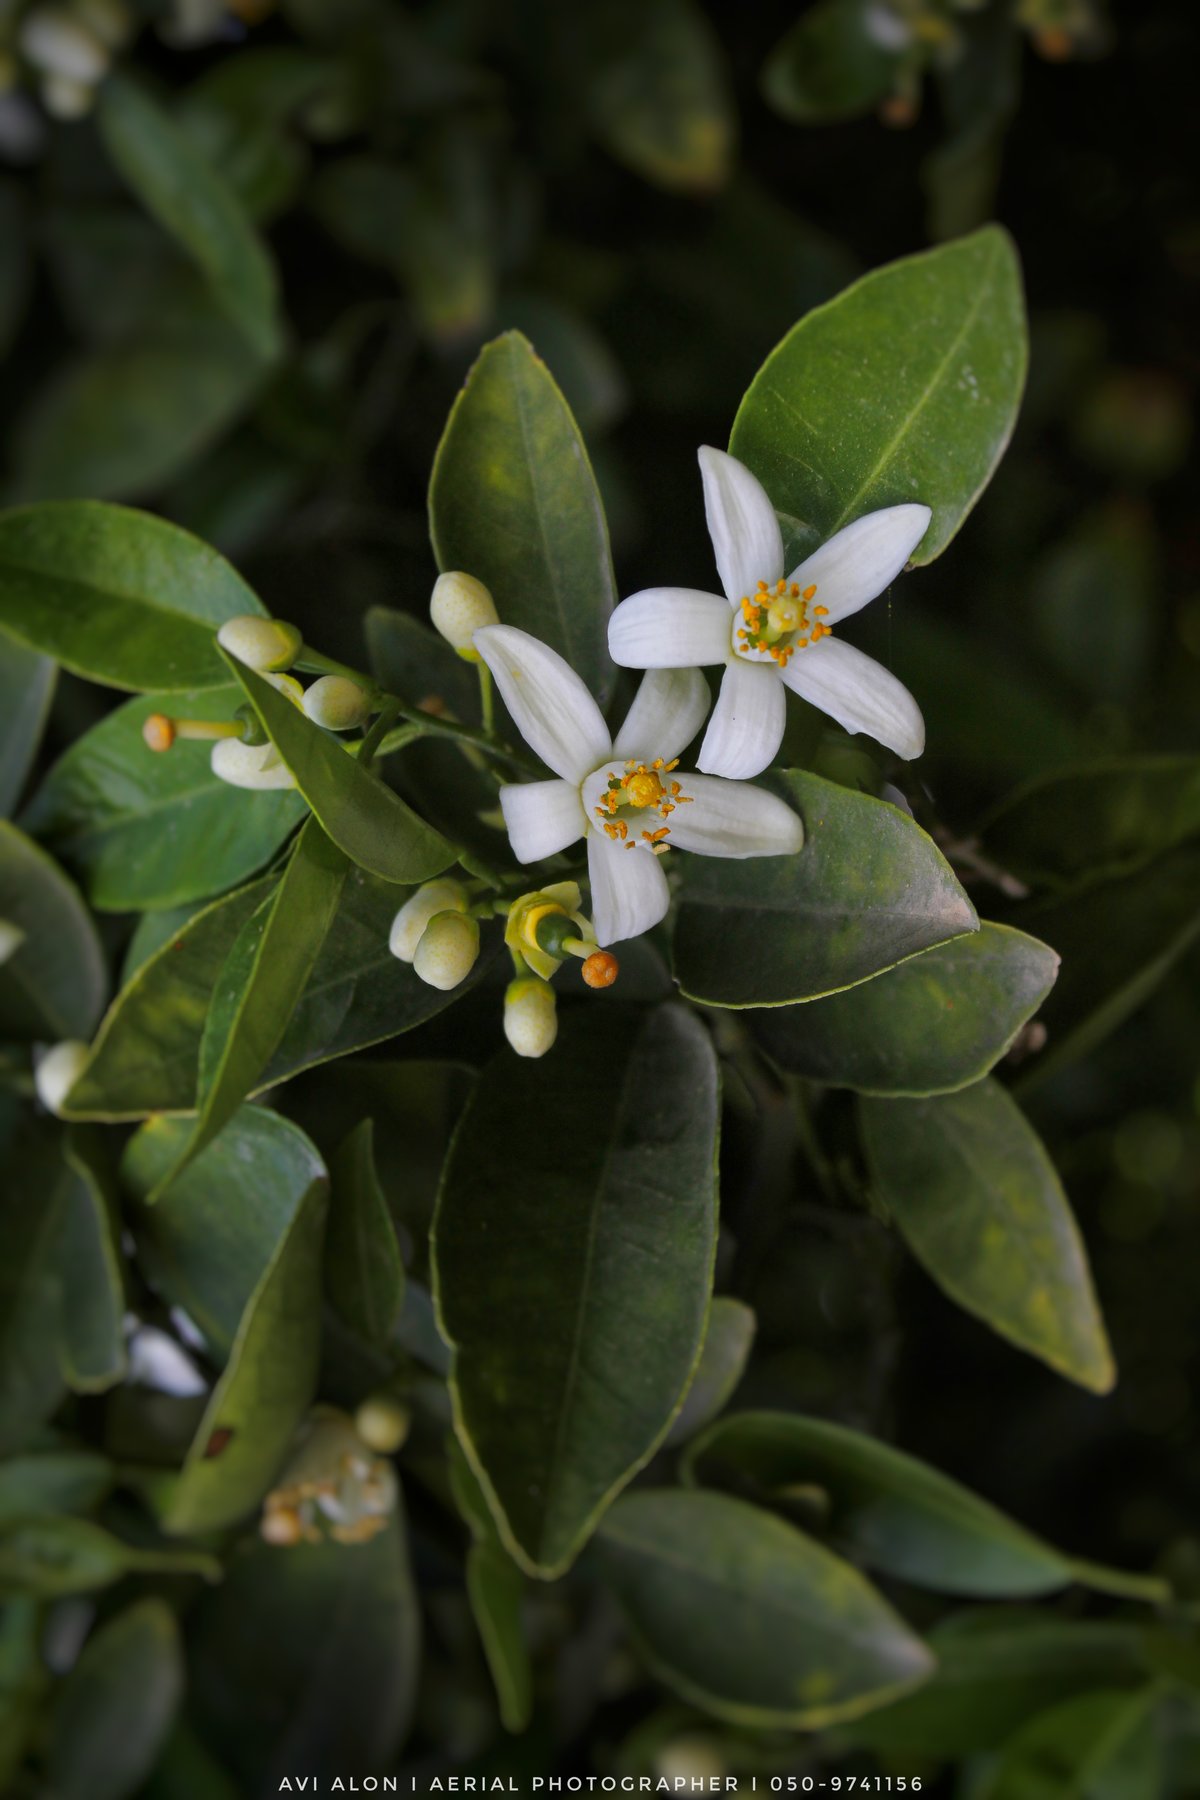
(348, 1612)
(26, 688)
(1109, 1745)
(496, 1592)
(727, 1344)
(193, 203)
(657, 92)
(88, 1260)
(868, 890)
(53, 984)
(891, 1511)
(980, 1205)
(749, 1619)
(23, 1681)
(115, 1708)
(589, 1178)
(53, 1556)
(1098, 822)
(513, 502)
(938, 1022)
(264, 1166)
(116, 595)
(145, 830)
(363, 817)
(905, 387)
(31, 1380)
(828, 67)
(364, 1275)
(52, 1481)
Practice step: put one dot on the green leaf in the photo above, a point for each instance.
(116, 595)
(54, 1556)
(261, 980)
(938, 1022)
(31, 1382)
(828, 67)
(891, 1511)
(306, 1660)
(116, 1707)
(748, 1618)
(88, 1258)
(980, 1205)
(496, 1592)
(727, 1344)
(191, 201)
(1097, 823)
(56, 1481)
(657, 94)
(53, 985)
(142, 830)
(363, 817)
(514, 503)
(868, 890)
(364, 1275)
(905, 387)
(1102, 1746)
(26, 689)
(590, 1180)
(265, 1166)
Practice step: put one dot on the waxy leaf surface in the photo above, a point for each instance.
(115, 1708)
(52, 986)
(26, 687)
(364, 1275)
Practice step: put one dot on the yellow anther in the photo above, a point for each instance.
(821, 612)
(810, 591)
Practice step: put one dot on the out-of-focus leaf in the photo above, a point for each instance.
(513, 502)
(1092, 603)
(23, 1680)
(1103, 1746)
(363, 817)
(280, 1616)
(980, 1205)
(830, 66)
(26, 688)
(52, 1481)
(192, 202)
(590, 1180)
(868, 890)
(88, 1259)
(31, 1381)
(746, 1617)
(657, 95)
(727, 1344)
(587, 370)
(52, 986)
(937, 1022)
(496, 1591)
(115, 1708)
(116, 595)
(142, 830)
(260, 1164)
(364, 1275)
(59, 1555)
(16, 261)
(905, 387)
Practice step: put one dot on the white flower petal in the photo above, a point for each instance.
(859, 561)
(746, 728)
(859, 693)
(550, 706)
(746, 539)
(669, 628)
(668, 710)
(629, 889)
(731, 818)
(542, 818)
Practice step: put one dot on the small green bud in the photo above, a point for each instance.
(382, 1423)
(448, 950)
(250, 765)
(58, 1071)
(530, 1015)
(61, 47)
(408, 926)
(337, 703)
(261, 644)
(11, 939)
(459, 607)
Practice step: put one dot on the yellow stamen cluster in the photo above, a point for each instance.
(779, 620)
(648, 788)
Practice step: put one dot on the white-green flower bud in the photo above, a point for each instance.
(261, 643)
(65, 99)
(408, 926)
(61, 46)
(459, 607)
(382, 1423)
(530, 1015)
(337, 703)
(58, 1071)
(11, 939)
(250, 765)
(448, 950)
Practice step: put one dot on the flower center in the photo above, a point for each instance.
(646, 788)
(779, 620)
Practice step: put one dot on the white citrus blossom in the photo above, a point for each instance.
(780, 632)
(621, 794)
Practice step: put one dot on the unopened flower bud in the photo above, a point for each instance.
(530, 1015)
(459, 607)
(337, 703)
(58, 1071)
(250, 765)
(66, 100)
(382, 1423)
(448, 950)
(261, 643)
(61, 46)
(408, 926)
(11, 939)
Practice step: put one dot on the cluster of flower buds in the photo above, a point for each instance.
(542, 930)
(66, 47)
(437, 933)
(335, 1485)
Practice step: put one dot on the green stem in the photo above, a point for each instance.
(486, 698)
(379, 730)
(431, 726)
